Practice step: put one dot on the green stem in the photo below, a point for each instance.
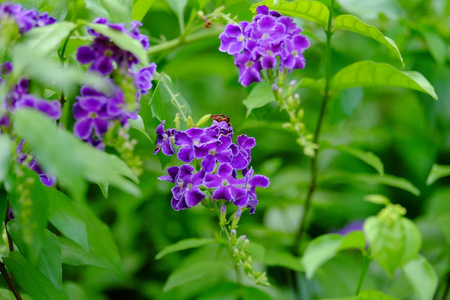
(10, 282)
(366, 263)
(184, 40)
(313, 178)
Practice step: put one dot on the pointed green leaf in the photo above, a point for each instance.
(319, 251)
(309, 10)
(44, 40)
(422, 277)
(260, 95)
(183, 245)
(366, 156)
(371, 74)
(140, 9)
(30, 213)
(178, 6)
(386, 179)
(437, 172)
(138, 124)
(63, 155)
(63, 214)
(283, 259)
(352, 23)
(326, 246)
(115, 11)
(122, 40)
(195, 271)
(49, 260)
(31, 280)
(5, 155)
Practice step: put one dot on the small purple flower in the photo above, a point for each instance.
(165, 140)
(350, 227)
(227, 187)
(269, 41)
(143, 78)
(215, 151)
(186, 192)
(250, 199)
(25, 19)
(241, 152)
(189, 140)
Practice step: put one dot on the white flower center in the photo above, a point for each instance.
(225, 182)
(294, 53)
(249, 64)
(241, 38)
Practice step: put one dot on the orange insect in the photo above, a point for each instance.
(220, 118)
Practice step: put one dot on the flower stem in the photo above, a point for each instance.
(366, 263)
(313, 178)
(197, 36)
(10, 282)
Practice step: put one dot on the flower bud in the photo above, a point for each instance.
(237, 216)
(190, 122)
(203, 120)
(177, 121)
(233, 237)
(223, 215)
(245, 246)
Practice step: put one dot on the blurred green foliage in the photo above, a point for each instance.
(408, 130)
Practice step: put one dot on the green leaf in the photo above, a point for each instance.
(102, 251)
(422, 277)
(63, 214)
(140, 9)
(138, 124)
(56, 8)
(260, 95)
(183, 245)
(371, 74)
(5, 155)
(309, 10)
(352, 23)
(257, 251)
(30, 210)
(122, 40)
(31, 280)
(377, 199)
(49, 260)
(374, 295)
(326, 246)
(392, 244)
(69, 159)
(178, 6)
(163, 102)
(311, 83)
(73, 255)
(437, 46)
(386, 179)
(44, 40)
(437, 172)
(283, 259)
(366, 156)
(195, 271)
(115, 11)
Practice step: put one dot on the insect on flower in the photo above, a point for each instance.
(221, 118)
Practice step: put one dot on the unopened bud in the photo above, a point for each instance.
(223, 215)
(189, 122)
(203, 120)
(293, 83)
(245, 246)
(274, 87)
(237, 216)
(233, 237)
(177, 121)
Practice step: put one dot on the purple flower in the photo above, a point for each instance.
(164, 140)
(241, 152)
(267, 42)
(25, 19)
(250, 199)
(215, 151)
(350, 227)
(227, 187)
(143, 78)
(186, 192)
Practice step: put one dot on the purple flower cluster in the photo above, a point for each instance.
(256, 45)
(95, 111)
(20, 97)
(25, 19)
(220, 160)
